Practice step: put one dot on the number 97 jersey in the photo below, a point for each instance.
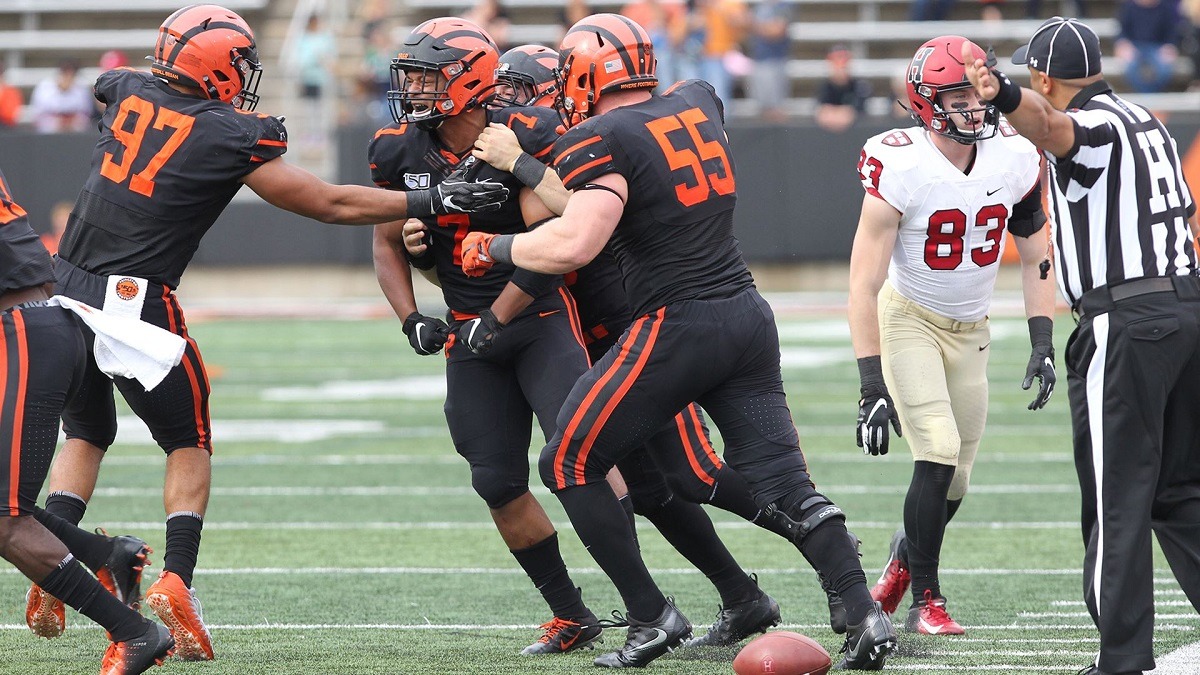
(952, 223)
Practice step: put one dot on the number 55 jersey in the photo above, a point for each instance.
(952, 223)
(675, 239)
(165, 167)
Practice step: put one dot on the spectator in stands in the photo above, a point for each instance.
(769, 43)
(375, 73)
(930, 10)
(61, 103)
(10, 102)
(842, 97)
(657, 17)
(572, 13)
(314, 57)
(492, 17)
(109, 60)
(726, 22)
(1191, 10)
(60, 213)
(1149, 30)
(688, 35)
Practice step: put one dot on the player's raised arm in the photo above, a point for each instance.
(498, 146)
(292, 188)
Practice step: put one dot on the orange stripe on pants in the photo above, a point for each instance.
(14, 479)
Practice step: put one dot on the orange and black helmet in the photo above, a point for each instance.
(600, 54)
(445, 67)
(212, 49)
(528, 72)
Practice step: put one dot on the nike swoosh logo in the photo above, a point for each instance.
(419, 340)
(984, 347)
(566, 644)
(448, 202)
(930, 628)
(878, 404)
(658, 640)
(992, 192)
(546, 314)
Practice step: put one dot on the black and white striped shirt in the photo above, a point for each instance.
(1119, 201)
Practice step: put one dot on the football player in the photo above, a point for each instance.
(441, 79)
(176, 144)
(651, 176)
(44, 359)
(939, 200)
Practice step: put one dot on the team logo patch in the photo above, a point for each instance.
(416, 181)
(897, 139)
(127, 289)
(1006, 128)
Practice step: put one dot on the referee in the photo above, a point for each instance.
(1126, 263)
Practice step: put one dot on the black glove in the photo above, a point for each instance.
(480, 333)
(458, 193)
(1041, 361)
(425, 333)
(875, 409)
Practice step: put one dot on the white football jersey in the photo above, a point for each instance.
(952, 224)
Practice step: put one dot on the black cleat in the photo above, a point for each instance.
(868, 643)
(647, 641)
(139, 654)
(737, 622)
(566, 635)
(837, 607)
(121, 574)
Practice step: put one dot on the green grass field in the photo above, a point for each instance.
(343, 536)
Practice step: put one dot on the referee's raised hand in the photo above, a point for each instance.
(979, 74)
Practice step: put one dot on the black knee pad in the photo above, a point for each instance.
(810, 513)
(497, 488)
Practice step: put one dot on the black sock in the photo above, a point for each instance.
(925, 510)
(545, 567)
(688, 528)
(69, 583)
(830, 551)
(183, 544)
(627, 505)
(952, 508)
(89, 548)
(731, 493)
(601, 526)
(68, 506)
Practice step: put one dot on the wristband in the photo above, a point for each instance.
(1008, 97)
(870, 371)
(420, 203)
(528, 170)
(1041, 331)
(500, 248)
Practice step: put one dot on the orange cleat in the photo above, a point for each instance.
(180, 610)
(44, 614)
(121, 574)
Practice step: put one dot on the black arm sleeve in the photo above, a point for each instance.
(1028, 216)
(534, 284)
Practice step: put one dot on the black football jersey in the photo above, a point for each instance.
(599, 292)
(24, 260)
(165, 167)
(675, 239)
(404, 157)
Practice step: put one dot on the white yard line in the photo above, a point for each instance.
(466, 490)
(340, 526)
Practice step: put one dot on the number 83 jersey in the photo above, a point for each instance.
(165, 167)
(675, 238)
(952, 223)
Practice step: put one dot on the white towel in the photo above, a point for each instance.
(128, 347)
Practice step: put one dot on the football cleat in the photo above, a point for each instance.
(929, 617)
(179, 608)
(44, 614)
(736, 622)
(139, 654)
(566, 635)
(869, 642)
(646, 641)
(122, 572)
(893, 583)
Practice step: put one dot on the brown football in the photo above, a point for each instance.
(782, 653)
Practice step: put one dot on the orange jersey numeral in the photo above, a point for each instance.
(143, 111)
(720, 181)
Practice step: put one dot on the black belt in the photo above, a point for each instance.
(1105, 298)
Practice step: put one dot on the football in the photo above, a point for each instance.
(782, 653)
